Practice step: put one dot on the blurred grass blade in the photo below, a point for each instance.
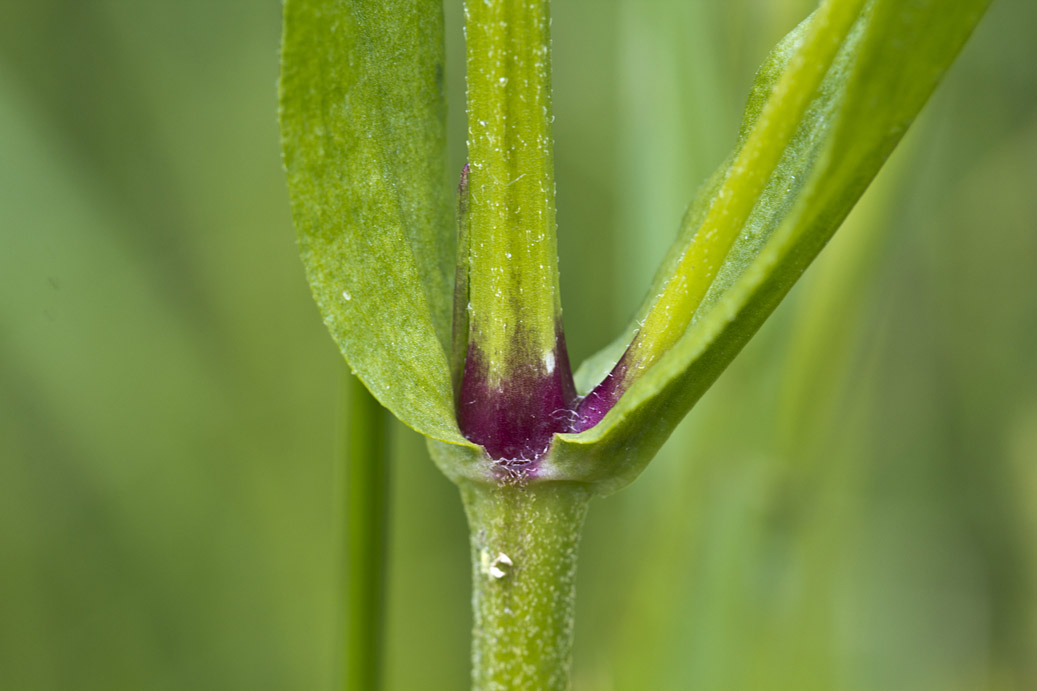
(366, 513)
(888, 64)
(362, 120)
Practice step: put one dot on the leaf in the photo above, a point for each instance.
(889, 63)
(363, 136)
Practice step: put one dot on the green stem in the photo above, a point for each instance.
(524, 540)
(366, 488)
(513, 294)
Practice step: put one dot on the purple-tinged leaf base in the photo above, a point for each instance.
(515, 417)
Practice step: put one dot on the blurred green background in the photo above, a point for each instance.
(852, 507)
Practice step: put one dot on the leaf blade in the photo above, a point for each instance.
(883, 77)
(363, 137)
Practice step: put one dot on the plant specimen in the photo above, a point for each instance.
(463, 340)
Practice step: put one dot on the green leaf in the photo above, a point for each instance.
(888, 63)
(362, 121)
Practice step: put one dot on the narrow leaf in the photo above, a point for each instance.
(888, 64)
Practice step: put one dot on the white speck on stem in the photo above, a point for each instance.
(499, 566)
(346, 296)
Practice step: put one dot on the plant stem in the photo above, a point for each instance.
(517, 385)
(366, 474)
(524, 540)
(511, 188)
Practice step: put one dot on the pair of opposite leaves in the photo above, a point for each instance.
(363, 135)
